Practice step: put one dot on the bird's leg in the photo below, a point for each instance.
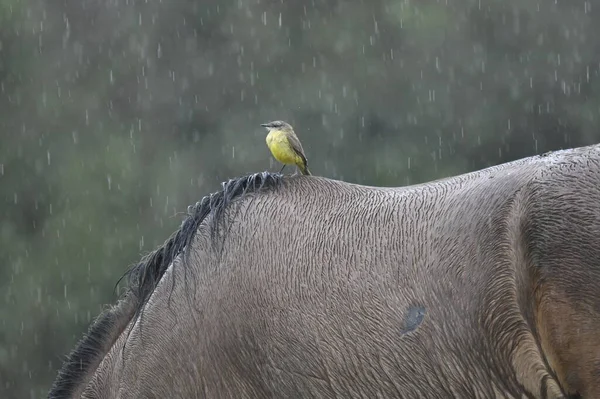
(282, 168)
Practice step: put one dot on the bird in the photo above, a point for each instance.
(285, 146)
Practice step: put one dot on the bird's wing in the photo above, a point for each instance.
(296, 146)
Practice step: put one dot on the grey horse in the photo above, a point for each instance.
(484, 285)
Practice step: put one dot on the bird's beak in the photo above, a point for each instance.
(264, 124)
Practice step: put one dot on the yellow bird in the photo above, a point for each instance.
(285, 146)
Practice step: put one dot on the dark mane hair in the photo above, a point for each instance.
(144, 277)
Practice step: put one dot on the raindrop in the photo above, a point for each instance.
(431, 95)
(109, 181)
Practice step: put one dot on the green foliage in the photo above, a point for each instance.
(115, 117)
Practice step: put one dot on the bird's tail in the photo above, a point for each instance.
(304, 170)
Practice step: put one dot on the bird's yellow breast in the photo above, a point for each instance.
(280, 147)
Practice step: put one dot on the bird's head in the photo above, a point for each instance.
(277, 125)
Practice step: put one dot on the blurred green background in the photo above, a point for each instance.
(116, 115)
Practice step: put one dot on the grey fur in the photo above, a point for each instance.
(479, 286)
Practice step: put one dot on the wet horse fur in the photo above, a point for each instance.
(481, 285)
(143, 279)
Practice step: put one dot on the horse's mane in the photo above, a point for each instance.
(144, 277)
